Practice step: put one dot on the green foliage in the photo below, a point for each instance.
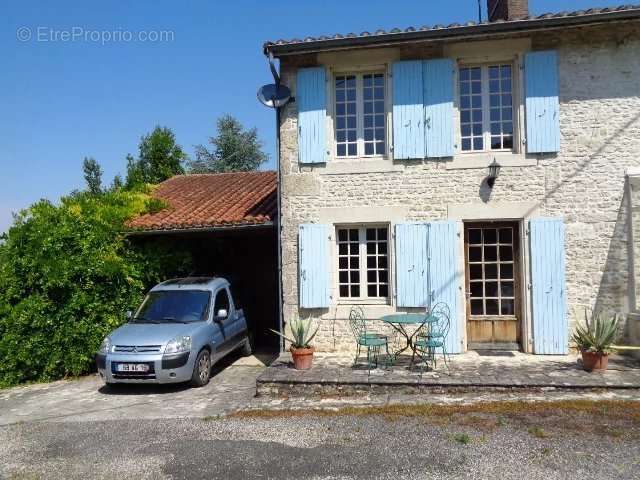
(155, 205)
(597, 334)
(234, 149)
(92, 175)
(67, 275)
(117, 183)
(135, 174)
(537, 432)
(462, 438)
(301, 335)
(159, 158)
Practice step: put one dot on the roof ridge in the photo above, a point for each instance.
(253, 172)
(594, 11)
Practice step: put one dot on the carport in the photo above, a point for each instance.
(226, 222)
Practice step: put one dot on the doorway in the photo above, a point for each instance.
(247, 258)
(493, 278)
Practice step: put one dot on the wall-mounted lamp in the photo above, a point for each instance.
(494, 171)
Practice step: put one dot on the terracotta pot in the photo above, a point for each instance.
(302, 357)
(594, 361)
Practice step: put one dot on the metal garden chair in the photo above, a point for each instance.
(373, 342)
(429, 341)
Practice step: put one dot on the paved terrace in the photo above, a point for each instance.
(469, 372)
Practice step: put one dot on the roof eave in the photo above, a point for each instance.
(209, 229)
(448, 33)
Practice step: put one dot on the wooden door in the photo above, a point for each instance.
(492, 277)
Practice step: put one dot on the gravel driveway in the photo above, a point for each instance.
(551, 445)
(232, 385)
(78, 429)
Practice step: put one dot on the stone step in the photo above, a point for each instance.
(468, 374)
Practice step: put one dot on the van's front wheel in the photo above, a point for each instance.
(201, 369)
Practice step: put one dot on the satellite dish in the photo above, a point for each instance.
(274, 96)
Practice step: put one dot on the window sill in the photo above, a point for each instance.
(361, 165)
(482, 160)
(364, 301)
(371, 312)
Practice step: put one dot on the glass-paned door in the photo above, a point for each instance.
(493, 285)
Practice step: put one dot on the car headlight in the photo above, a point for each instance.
(178, 345)
(105, 346)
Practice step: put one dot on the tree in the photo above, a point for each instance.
(135, 175)
(117, 183)
(234, 149)
(159, 158)
(92, 175)
(67, 275)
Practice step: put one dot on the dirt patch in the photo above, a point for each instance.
(611, 418)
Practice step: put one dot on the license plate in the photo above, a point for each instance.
(132, 367)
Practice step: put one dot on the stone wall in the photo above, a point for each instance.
(584, 183)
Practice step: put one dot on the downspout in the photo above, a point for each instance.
(276, 78)
(279, 230)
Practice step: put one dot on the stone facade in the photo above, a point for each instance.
(584, 184)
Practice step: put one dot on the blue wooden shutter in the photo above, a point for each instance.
(408, 110)
(411, 265)
(542, 104)
(311, 100)
(550, 327)
(445, 277)
(438, 107)
(313, 254)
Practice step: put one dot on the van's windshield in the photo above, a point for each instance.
(174, 306)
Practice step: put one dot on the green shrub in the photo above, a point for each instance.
(67, 275)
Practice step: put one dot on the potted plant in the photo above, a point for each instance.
(594, 339)
(301, 336)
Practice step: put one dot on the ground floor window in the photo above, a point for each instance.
(363, 262)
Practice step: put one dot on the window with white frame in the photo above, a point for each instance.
(363, 262)
(360, 115)
(486, 107)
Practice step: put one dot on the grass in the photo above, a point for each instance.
(629, 409)
(210, 418)
(462, 438)
(538, 432)
(610, 418)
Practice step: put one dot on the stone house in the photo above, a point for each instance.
(481, 164)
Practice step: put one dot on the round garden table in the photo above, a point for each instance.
(400, 322)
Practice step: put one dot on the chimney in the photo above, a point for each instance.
(507, 9)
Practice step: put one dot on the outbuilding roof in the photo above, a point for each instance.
(397, 35)
(204, 201)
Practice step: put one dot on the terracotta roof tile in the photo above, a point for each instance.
(212, 200)
(326, 41)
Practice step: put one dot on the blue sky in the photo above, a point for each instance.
(66, 98)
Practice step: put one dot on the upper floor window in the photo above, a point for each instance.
(363, 262)
(486, 107)
(360, 117)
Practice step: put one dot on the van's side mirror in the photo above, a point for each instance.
(222, 314)
(129, 315)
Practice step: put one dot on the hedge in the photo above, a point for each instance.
(67, 275)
